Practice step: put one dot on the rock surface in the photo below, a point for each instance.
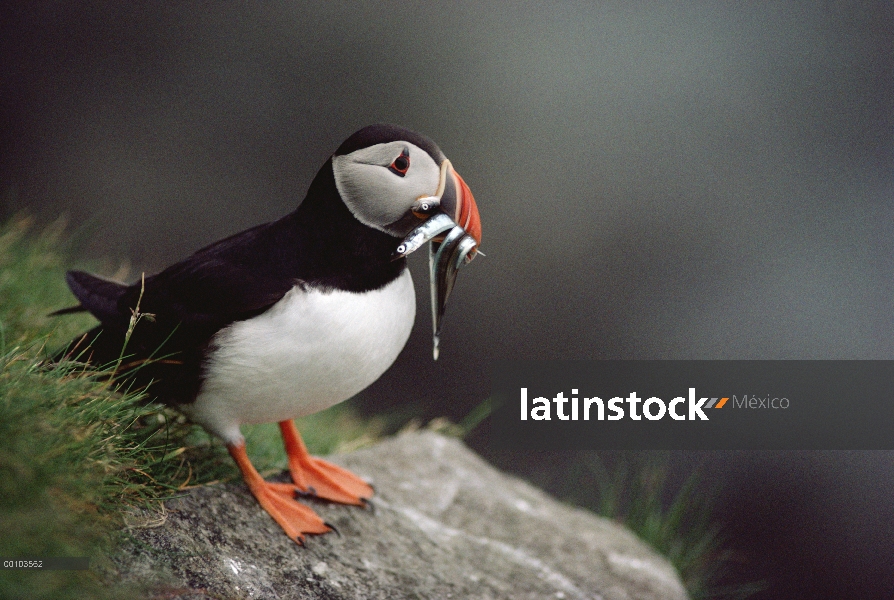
(445, 525)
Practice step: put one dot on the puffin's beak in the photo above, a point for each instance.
(453, 226)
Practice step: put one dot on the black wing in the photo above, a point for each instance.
(233, 279)
(182, 307)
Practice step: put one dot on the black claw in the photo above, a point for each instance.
(368, 503)
(310, 493)
(332, 527)
(300, 540)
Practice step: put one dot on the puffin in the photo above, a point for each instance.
(293, 316)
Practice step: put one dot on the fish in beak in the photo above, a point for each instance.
(453, 226)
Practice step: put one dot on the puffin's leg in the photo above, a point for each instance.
(278, 499)
(319, 478)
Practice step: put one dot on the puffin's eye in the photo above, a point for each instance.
(401, 164)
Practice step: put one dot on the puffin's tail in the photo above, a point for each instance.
(67, 311)
(100, 297)
(97, 295)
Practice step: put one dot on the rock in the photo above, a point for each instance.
(446, 525)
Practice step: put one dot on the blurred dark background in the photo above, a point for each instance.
(706, 180)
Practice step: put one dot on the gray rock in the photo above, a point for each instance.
(445, 525)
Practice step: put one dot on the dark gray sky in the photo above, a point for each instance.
(705, 180)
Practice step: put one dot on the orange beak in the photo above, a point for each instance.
(466, 212)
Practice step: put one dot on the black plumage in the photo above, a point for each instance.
(320, 244)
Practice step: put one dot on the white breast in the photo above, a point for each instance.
(311, 350)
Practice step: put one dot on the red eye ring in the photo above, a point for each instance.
(401, 164)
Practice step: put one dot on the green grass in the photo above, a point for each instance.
(32, 284)
(677, 519)
(79, 459)
(67, 457)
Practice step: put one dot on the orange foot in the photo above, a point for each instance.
(318, 478)
(278, 499)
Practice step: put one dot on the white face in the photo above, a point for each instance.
(377, 195)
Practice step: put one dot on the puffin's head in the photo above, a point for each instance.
(399, 182)
(385, 174)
